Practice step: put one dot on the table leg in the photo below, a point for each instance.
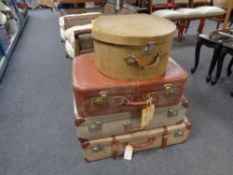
(219, 65)
(197, 55)
(229, 71)
(213, 62)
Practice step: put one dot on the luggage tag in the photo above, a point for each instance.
(128, 152)
(147, 114)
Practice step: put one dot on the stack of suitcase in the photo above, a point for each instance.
(115, 111)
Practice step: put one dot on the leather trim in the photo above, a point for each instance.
(164, 137)
(84, 143)
(78, 120)
(185, 103)
(114, 147)
(188, 124)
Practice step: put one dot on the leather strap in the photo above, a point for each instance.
(188, 124)
(165, 137)
(114, 147)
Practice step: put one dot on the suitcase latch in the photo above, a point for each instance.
(172, 113)
(101, 99)
(169, 90)
(131, 59)
(179, 133)
(149, 48)
(96, 148)
(96, 126)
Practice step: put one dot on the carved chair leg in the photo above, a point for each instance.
(197, 55)
(219, 65)
(201, 26)
(187, 26)
(213, 62)
(229, 71)
(219, 22)
(181, 30)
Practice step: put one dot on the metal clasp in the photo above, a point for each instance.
(101, 99)
(169, 90)
(96, 126)
(179, 133)
(149, 48)
(96, 148)
(172, 113)
(131, 60)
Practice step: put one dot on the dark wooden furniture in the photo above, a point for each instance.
(227, 48)
(214, 42)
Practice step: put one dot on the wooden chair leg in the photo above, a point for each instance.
(181, 30)
(213, 63)
(219, 66)
(187, 26)
(197, 55)
(201, 26)
(219, 22)
(229, 71)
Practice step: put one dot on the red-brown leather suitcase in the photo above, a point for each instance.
(97, 94)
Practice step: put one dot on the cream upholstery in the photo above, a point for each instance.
(67, 33)
(3, 7)
(169, 14)
(211, 10)
(3, 18)
(191, 12)
(62, 31)
(69, 49)
(61, 22)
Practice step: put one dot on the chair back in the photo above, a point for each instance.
(181, 3)
(160, 4)
(195, 3)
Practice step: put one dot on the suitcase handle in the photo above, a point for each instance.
(131, 130)
(154, 63)
(148, 143)
(133, 60)
(126, 102)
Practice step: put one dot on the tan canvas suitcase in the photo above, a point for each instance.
(132, 47)
(144, 140)
(127, 122)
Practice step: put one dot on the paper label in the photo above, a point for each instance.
(147, 116)
(128, 152)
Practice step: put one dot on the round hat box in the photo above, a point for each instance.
(132, 47)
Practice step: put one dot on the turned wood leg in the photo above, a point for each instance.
(187, 26)
(219, 65)
(197, 55)
(229, 72)
(213, 63)
(181, 30)
(201, 26)
(219, 22)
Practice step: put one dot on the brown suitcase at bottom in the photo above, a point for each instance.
(155, 138)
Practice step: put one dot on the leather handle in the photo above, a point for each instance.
(148, 143)
(126, 102)
(131, 130)
(132, 60)
(154, 63)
